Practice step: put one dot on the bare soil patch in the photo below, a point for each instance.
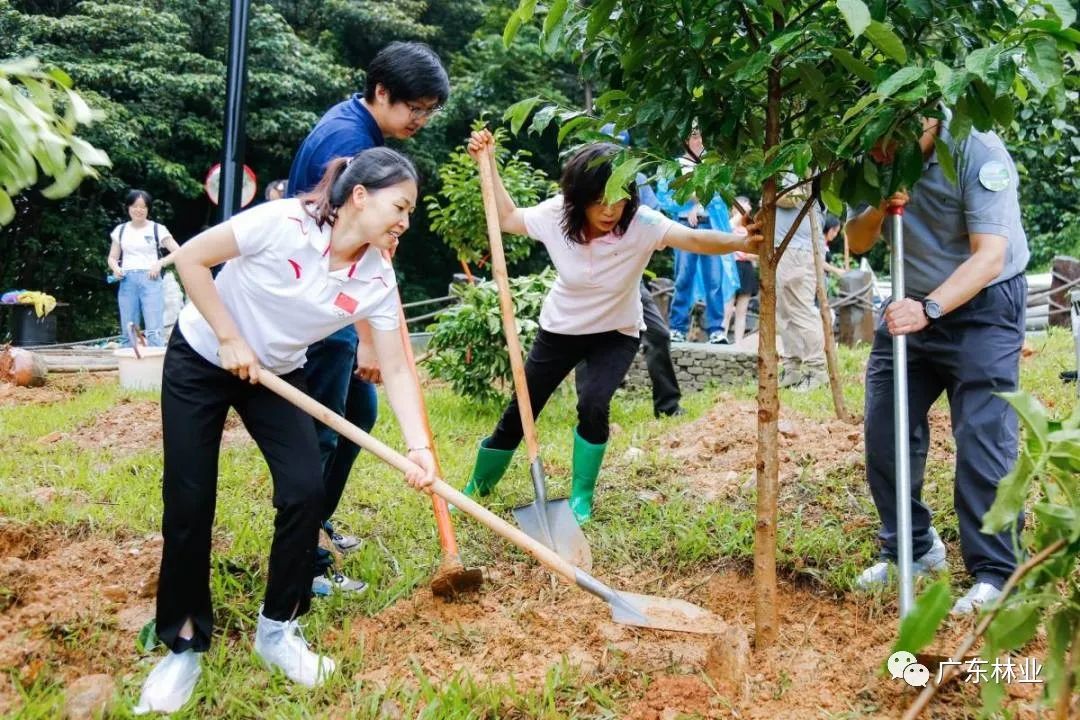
(717, 452)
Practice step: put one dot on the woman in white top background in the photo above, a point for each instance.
(593, 312)
(298, 270)
(135, 260)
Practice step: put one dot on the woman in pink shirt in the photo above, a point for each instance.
(593, 311)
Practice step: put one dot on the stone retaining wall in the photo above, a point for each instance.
(697, 364)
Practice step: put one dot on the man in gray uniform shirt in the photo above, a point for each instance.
(964, 258)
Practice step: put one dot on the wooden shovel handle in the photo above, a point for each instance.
(506, 304)
(493, 522)
(447, 539)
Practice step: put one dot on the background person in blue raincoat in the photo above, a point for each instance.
(709, 277)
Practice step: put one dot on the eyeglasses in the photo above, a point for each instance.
(420, 113)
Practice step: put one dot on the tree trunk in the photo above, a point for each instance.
(826, 320)
(768, 448)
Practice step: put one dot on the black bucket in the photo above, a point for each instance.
(27, 329)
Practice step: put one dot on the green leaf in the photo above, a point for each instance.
(858, 107)
(513, 24)
(856, 14)
(887, 41)
(1059, 632)
(1011, 493)
(992, 692)
(571, 125)
(7, 208)
(599, 17)
(918, 628)
(753, 67)
(1003, 110)
(900, 78)
(1033, 415)
(980, 62)
(776, 5)
(956, 86)
(519, 112)
(543, 118)
(1064, 10)
(832, 202)
(556, 11)
(1043, 60)
(622, 177)
(909, 163)
(147, 638)
(1014, 625)
(1061, 517)
(853, 65)
(945, 160)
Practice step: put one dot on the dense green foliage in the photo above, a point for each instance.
(468, 340)
(156, 69)
(457, 210)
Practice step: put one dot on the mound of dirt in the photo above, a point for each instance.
(72, 603)
(132, 426)
(717, 452)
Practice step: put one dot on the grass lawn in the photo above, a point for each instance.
(80, 483)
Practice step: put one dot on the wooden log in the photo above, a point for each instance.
(1065, 270)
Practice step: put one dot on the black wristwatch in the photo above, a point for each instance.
(931, 309)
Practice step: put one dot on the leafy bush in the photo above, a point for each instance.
(468, 341)
(457, 210)
(1065, 240)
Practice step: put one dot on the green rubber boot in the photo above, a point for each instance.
(490, 466)
(587, 460)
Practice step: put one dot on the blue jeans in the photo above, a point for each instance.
(142, 298)
(330, 380)
(687, 266)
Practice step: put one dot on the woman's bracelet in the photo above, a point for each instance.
(418, 449)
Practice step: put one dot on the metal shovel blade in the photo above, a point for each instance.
(553, 524)
(650, 611)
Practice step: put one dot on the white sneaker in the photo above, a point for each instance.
(678, 336)
(877, 576)
(170, 683)
(324, 585)
(281, 645)
(718, 337)
(980, 594)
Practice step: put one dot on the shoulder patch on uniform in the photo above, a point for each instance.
(994, 175)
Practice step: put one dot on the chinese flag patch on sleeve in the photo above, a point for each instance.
(345, 302)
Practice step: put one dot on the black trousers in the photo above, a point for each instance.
(656, 344)
(971, 354)
(607, 356)
(195, 398)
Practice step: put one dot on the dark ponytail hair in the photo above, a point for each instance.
(374, 168)
(583, 180)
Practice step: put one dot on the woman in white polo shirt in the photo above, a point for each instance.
(593, 311)
(297, 271)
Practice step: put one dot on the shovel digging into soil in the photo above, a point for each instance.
(626, 608)
(452, 576)
(552, 522)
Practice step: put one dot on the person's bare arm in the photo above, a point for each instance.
(193, 262)
(986, 262)
(173, 247)
(114, 259)
(511, 220)
(404, 395)
(713, 242)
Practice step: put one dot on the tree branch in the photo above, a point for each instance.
(751, 29)
(794, 226)
(809, 9)
(950, 672)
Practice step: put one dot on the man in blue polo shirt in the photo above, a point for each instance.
(964, 258)
(406, 84)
